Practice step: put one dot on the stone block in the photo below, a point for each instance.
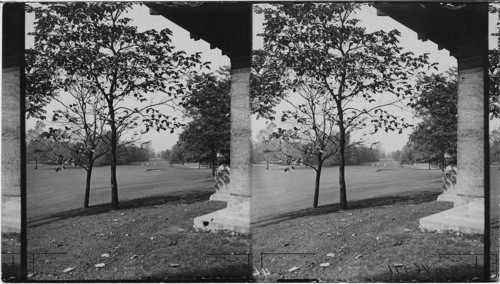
(234, 218)
(467, 219)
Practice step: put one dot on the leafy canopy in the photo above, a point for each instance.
(95, 42)
(323, 42)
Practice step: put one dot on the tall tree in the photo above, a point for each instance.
(436, 135)
(96, 42)
(364, 74)
(209, 105)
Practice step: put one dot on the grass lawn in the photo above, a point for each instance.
(376, 239)
(150, 238)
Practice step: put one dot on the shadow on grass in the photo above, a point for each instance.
(172, 198)
(414, 198)
(230, 273)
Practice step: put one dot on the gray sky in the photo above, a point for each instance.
(181, 40)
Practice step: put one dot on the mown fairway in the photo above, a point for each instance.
(278, 192)
(49, 192)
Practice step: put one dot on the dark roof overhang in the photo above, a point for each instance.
(226, 26)
(461, 28)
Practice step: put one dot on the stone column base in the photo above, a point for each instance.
(219, 197)
(449, 197)
(233, 218)
(466, 218)
(11, 214)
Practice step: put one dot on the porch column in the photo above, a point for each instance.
(241, 137)
(470, 131)
(236, 217)
(467, 215)
(11, 150)
(12, 116)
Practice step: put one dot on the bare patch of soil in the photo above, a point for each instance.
(151, 239)
(375, 240)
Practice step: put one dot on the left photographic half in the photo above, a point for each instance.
(138, 141)
(12, 56)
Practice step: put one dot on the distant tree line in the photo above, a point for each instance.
(48, 151)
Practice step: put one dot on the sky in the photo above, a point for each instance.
(181, 40)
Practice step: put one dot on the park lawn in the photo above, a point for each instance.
(150, 238)
(376, 239)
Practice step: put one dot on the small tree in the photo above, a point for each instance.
(311, 136)
(363, 74)
(94, 41)
(80, 113)
(265, 148)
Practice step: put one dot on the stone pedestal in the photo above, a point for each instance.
(467, 219)
(236, 217)
(467, 216)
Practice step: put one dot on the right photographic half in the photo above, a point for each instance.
(376, 142)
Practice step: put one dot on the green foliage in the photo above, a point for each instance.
(126, 154)
(166, 155)
(335, 53)
(360, 74)
(437, 133)
(94, 45)
(407, 155)
(265, 149)
(177, 154)
(395, 155)
(209, 105)
(311, 136)
(95, 42)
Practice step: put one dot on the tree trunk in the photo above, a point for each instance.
(429, 166)
(343, 189)
(267, 167)
(87, 181)
(317, 182)
(199, 165)
(114, 142)
(36, 164)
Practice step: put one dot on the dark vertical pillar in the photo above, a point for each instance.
(13, 142)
